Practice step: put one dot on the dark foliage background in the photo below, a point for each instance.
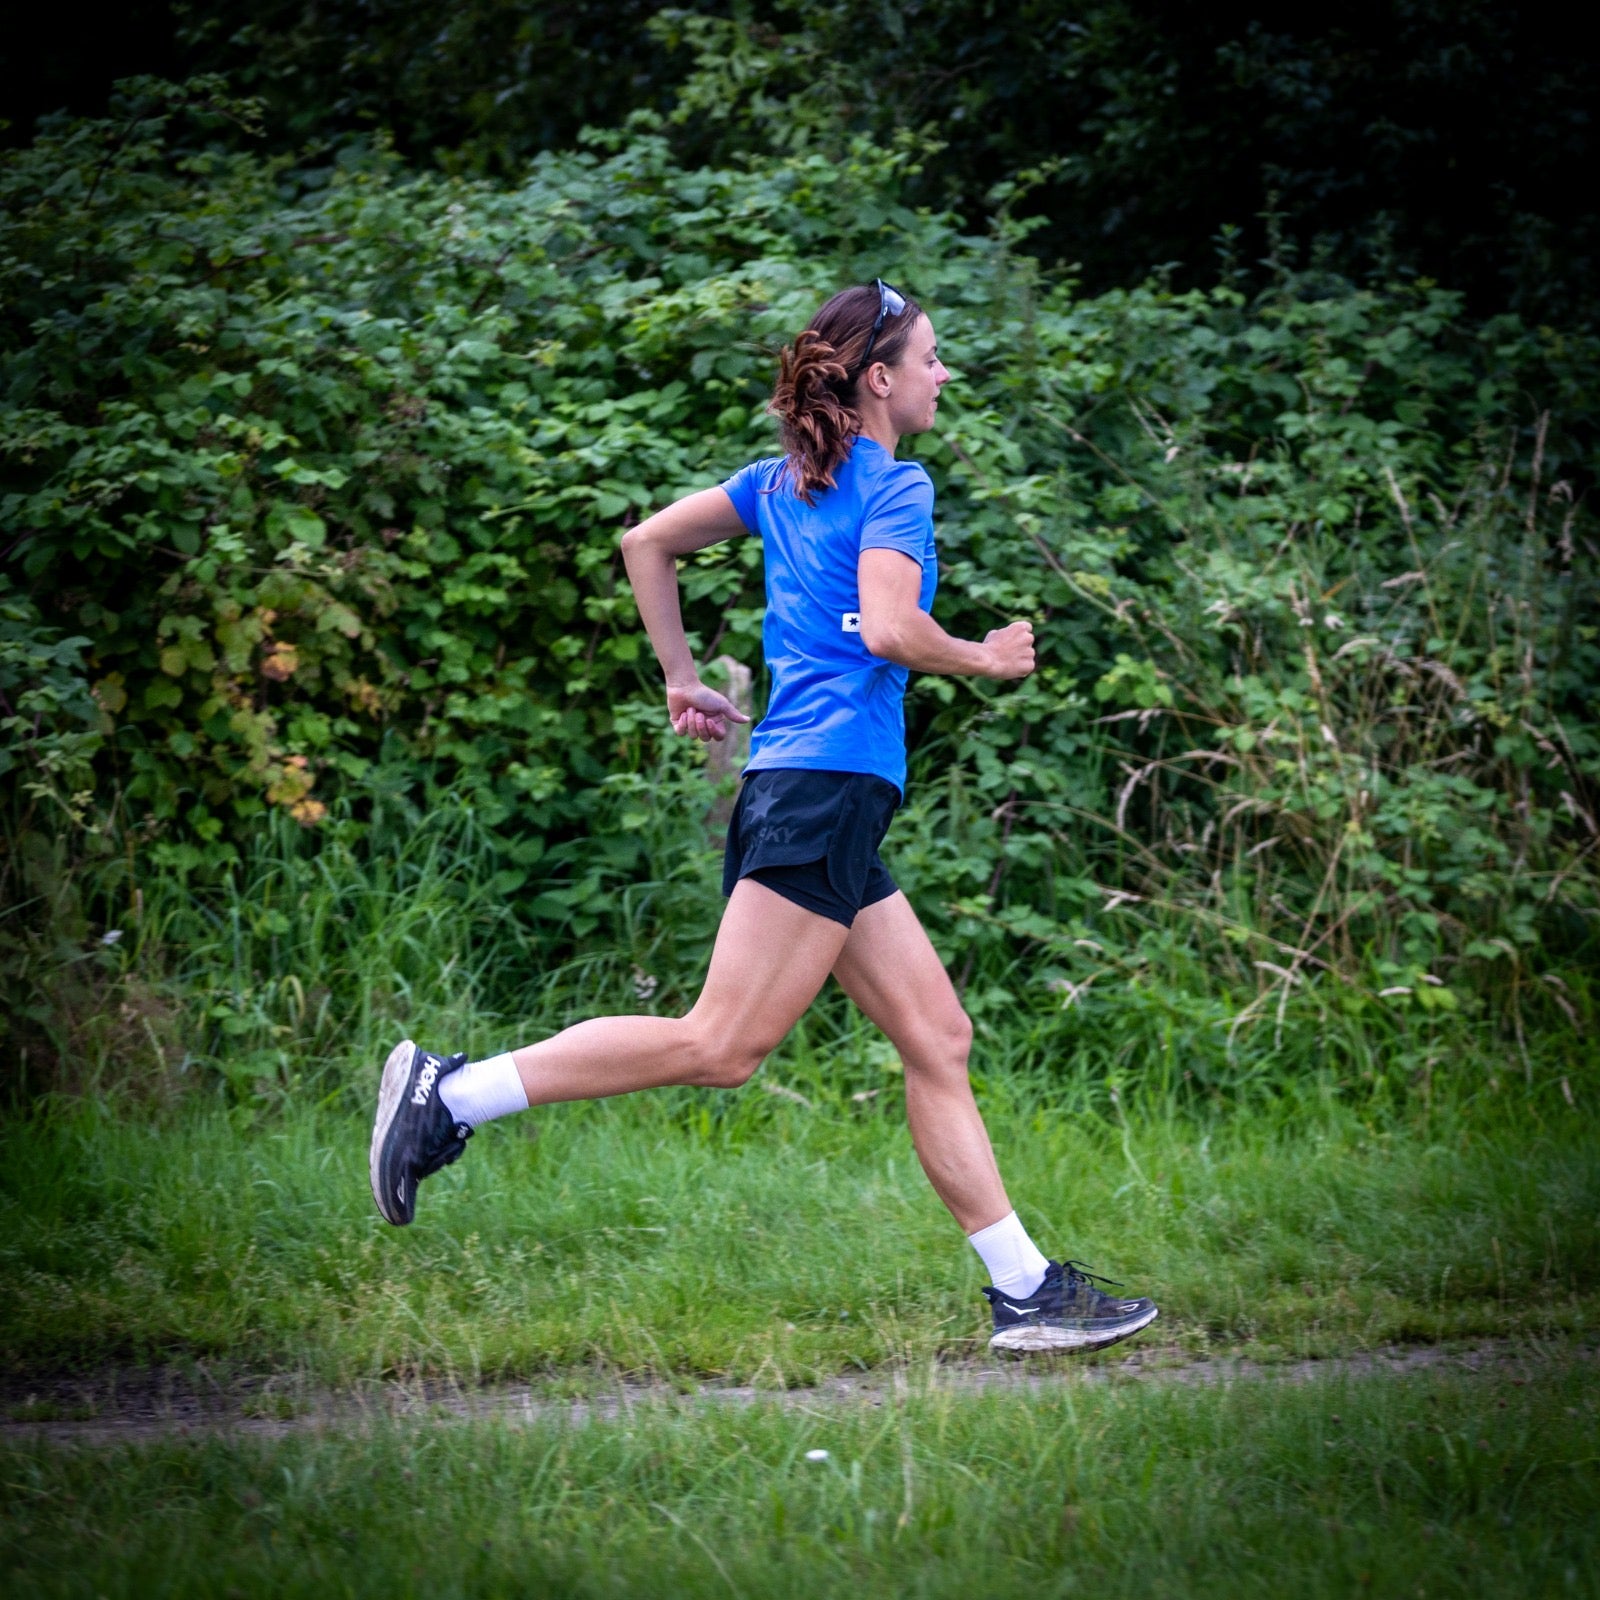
(327, 381)
(1448, 138)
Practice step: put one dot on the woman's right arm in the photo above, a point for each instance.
(650, 552)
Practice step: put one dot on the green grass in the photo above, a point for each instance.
(1431, 1485)
(750, 1237)
(171, 1245)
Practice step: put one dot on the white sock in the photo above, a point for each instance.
(1014, 1263)
(483, 1090)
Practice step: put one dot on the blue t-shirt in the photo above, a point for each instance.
(834, 706)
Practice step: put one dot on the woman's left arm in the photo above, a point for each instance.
(650, 552)
(894, 626)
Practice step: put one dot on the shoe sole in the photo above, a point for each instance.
(1025, 1339)
(392, 1086)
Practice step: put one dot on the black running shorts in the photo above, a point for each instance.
(813, 837)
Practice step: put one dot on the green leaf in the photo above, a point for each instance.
(290, 524)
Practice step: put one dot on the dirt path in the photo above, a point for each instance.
(142, 1405)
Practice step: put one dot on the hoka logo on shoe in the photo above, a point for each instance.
(425, 1082)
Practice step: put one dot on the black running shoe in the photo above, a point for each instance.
(1066, 1313)
(414, 1135)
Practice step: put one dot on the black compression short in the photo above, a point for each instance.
(813, 837)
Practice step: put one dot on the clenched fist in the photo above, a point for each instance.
(1010, 650)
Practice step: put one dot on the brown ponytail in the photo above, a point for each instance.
(814, 399)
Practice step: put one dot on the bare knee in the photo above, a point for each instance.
(941, 1045)
(732, 1069)
(720, 1062)
(958, 1035)
(949, 1035)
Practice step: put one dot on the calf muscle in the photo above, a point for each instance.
(890, 969)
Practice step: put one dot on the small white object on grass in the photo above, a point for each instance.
(816, 1455)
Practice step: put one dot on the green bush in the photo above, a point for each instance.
(315, 477)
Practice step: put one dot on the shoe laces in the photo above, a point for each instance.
(1077, 1272)
(447, 1151)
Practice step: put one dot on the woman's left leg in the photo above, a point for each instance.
(770, 959)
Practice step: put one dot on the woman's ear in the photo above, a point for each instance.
(878, 380)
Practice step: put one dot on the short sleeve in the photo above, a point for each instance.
(900, 514)
(744, 488)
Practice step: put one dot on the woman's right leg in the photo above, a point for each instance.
(893, 973)
(770, 961)
(889, 968)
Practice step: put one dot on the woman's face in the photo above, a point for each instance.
(915, 381)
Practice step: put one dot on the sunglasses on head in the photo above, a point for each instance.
(890, 304)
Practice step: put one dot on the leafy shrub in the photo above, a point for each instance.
(322, 470)
(1331, 587)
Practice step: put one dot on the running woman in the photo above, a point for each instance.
(848, 543)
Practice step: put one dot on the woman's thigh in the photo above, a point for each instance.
(770, 961)
(889, 967)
